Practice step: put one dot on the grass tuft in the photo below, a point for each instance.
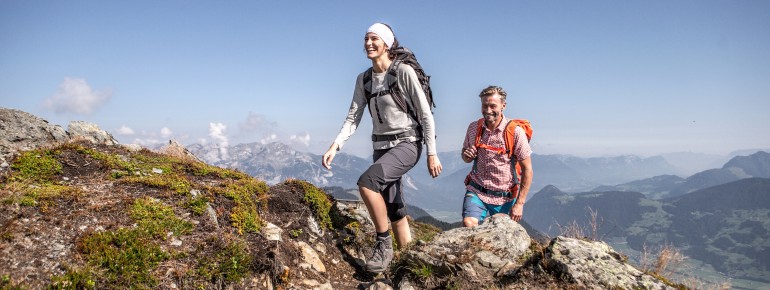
(37, 165)
(127, 256)
(157, 219)
(318, 201)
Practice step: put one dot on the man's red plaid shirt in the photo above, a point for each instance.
(493, 170)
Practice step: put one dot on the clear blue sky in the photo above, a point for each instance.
(596, 78)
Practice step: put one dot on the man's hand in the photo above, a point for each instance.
(434, 166)
(517, 210)
(469, 154)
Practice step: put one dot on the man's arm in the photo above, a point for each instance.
(526, 180)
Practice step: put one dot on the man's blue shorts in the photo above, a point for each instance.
(474, 207)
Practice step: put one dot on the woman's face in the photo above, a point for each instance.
(374, 46)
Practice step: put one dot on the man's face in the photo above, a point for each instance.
(374, 46)
(492, 107)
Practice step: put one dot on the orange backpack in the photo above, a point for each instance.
(508, 136)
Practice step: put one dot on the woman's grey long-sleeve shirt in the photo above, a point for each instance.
(394, 119)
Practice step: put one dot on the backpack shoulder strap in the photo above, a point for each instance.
(479, 131)
(393, 88)
(367, 80)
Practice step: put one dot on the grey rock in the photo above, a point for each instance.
(178, 150)
(379, 285)
(212, 215)
(81, 130)
(477, 252)
(21, 131)
(356, 236)
(311, 257)
(595, 265)
(133, 147)
(271, 232)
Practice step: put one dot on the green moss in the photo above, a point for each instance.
(157, 219)
(246, 191)
(7, 284)
(37, 165)
(126, 256)
(112, 161)
(423, 231)
(354, 228)
(148, 161)
(41, 195)
(230, 263)
(6, 236)
(174, 182)
(248, 194)
(74, 279)
(318, 201)
(197, 204)
(295, 233)
(246, 219)
(202, 169)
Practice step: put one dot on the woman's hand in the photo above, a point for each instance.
(326, 160)
(434, 166)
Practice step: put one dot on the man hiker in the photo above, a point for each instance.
(502, 170)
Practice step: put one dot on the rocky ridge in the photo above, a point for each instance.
(198, 226)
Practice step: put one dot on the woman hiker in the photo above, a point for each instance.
(396, 138)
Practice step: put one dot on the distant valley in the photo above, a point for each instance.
(718, 216)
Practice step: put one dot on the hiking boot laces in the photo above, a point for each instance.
(381, 256)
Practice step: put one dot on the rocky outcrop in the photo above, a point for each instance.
(23, 131)
(595, 265)
(178, 150)
(90, 132)
(489, 250)
(20, 131)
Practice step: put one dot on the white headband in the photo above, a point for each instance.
(383, 32)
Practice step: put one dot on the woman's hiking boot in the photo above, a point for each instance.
(382, 254)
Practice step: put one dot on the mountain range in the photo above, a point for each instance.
(720, 217)
(275, 162)
(668, 186)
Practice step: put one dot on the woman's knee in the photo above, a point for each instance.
(396, 213)
(372, 178)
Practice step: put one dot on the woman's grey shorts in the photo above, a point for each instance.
(384, 176)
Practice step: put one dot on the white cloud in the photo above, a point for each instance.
(256, 123)
(76, 96)
(147, 142)
(301, 139)
(269, 138)
(125, 131)
(217, 132)
(165, 132)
